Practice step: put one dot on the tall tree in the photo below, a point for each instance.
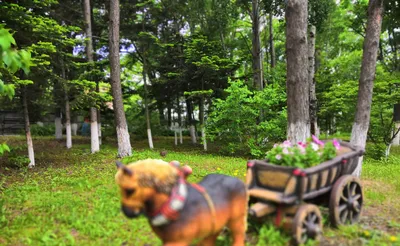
(146, 105)
(94, 132)
(31, 152)
(311, 81)
(124, 144)
(271, 39)
(297, 77)
(256, 52)
(68, 129)
(367, 76)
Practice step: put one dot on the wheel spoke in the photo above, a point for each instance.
(343, 198)
(350, 217)
(308, 218)
(356, 197)
(342, 207)
(348, 190)
(303, 231)
(314, 218)
(304, 238)
(356, 207)
(343, 216)
(353, 189)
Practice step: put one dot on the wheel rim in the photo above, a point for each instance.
(350, 203)
(307, 224)
(346, 201)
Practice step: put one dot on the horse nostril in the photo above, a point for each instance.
(129, 212)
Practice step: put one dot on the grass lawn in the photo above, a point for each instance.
(70, 198)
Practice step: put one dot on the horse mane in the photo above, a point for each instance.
(156, 174)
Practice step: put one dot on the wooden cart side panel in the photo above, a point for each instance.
(275, 180)
(291, 186)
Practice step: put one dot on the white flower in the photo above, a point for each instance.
(315, 146)
(278, 157)
(285, 151)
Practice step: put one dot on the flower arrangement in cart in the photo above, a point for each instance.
(303, 155)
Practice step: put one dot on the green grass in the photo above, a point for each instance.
(70, 198)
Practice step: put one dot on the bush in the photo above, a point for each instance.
(235, 121)
(375, 151)
(46, 130)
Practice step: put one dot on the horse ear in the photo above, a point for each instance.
(119, 164)
(126, 170)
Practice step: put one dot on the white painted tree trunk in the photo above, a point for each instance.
(396, 139)
(94, 132)
(193, 134)
(99, 128)
(180, 136)
(31, 153)
(298, 132)
(124, 142)
(69, 135)
(150, 138)
(203, 137)
(68, 123)
(74, 129)
(298, 128)
(367, 76)
(176, 137)
(387, 151)
(359, 138)
(57, 122)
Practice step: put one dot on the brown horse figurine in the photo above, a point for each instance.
(179, 212)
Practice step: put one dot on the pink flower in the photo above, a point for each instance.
(285, 151)
(278, 157)
(275, 145)
(286, 143)
(317, 141)
(301, 144)
(336, 144)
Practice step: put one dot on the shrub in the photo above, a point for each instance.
(236, 121)
(46, 130)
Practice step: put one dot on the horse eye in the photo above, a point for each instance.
(129, 192)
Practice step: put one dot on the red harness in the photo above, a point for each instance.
(170, 209)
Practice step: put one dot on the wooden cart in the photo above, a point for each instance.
(289, 195)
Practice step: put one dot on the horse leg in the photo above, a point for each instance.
(175, 244)
(209, 241)
(238, 230)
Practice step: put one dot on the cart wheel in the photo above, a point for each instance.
(307, 224)
(346, 201)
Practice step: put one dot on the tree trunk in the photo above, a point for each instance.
(191, 121)
(256, 52)
(124, 143)
(271, 40)
(202, 126)
(29, 142)
(68, 121)
(94, 131)
(367, 76)
(67, 109)
(297, 78)
(160, 111)
(99, 125)
(396, 139)
(146, 106)
(59, 128)
(169, 115)
(311, 80)
(179, 119)
(74, 129)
